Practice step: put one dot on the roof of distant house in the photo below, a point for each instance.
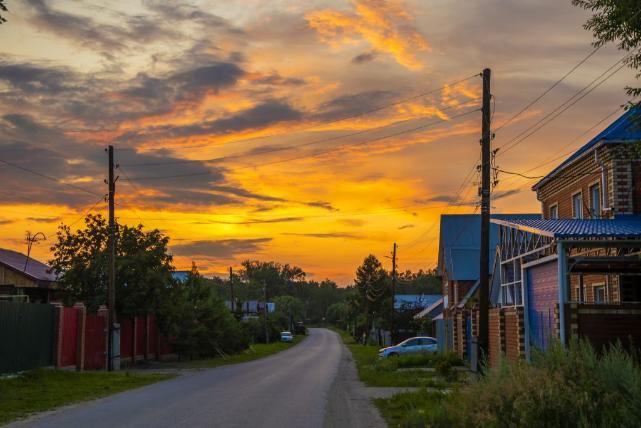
(35, 270)
(624, 129)
(417, 300)
(460, 243)
(180, 275)
(626, 227)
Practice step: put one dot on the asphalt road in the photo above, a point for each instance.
(289, 389)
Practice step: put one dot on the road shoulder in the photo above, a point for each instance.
(348, 403)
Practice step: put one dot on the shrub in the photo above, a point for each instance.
(564, 388)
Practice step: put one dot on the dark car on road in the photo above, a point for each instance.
(300, 328)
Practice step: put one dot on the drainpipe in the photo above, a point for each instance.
(604, 182)
(526, 311)
(563, 286)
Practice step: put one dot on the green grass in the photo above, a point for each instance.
(254, 352)
(377, 372)
(410, 409)
(39, 390)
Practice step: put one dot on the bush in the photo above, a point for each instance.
(254, 329)
(562, 388)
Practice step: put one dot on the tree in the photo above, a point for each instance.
(143, 266)
(197, 321)
(617, 21)
(3, 8)
(373, 289)
(337, 314)
(289, 309)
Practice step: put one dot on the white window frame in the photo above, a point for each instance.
(594, 184)
(513, 288)
(580, 193)
(553, 206)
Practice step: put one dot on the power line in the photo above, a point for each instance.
(87, 211)
(554, 85)
(543, 176)
(578, 96)
(395, 134)
(342, 118)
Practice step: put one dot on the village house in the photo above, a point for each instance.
(576, 271)
(24, 278)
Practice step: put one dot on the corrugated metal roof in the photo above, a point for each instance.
(628, 227)
(624, 129)
(35, 269)
(460, 243)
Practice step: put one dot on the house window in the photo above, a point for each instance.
(577, 205)
(599, 294)
(554, 211)
(595, 201)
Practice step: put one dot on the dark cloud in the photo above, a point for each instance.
(32, 79)
(278, 80)
(255, 221)
(4, 221)
(321, 204)
(406, 226)
(505, 193)
(364, 57)
(346, 105)
(224, 248)
(92, 34)
(44, 219)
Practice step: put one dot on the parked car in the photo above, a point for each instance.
(300, 328)
(286, 336)
(413, 345)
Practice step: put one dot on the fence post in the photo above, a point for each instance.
(57, 338)
(134, 339)
(80, 336)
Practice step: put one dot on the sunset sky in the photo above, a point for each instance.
(291, 131)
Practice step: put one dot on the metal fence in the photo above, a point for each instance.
(26, 336)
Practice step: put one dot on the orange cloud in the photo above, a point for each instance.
(384, 25)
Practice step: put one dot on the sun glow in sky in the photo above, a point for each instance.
(277, 130)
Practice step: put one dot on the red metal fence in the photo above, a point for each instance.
(69, 344)
(96, 341)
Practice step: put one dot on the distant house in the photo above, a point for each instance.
(254, 307)
(180, 275)
(414, 301)
(25, 278)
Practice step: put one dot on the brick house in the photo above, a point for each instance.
(25, 278)
(458, 267)
(576, 271)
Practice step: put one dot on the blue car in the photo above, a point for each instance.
(286, 336)
(413, 345)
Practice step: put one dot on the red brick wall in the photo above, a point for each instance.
(514, 334)
(496, 345)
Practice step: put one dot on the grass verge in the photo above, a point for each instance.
(40, 390)
(376, 372)
(254, 352)
(410, 409)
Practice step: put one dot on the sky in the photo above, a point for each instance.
(312, 133)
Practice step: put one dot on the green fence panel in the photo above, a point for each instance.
(26, 336)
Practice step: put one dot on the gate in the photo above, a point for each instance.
(69, 337)
(26, 336)
(543, 296)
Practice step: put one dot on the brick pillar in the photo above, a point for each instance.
(146, 337)
(572, 313)
(59, 320)
(496, 336)
(80, 336)
(104, 313)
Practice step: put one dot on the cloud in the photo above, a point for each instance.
(322, 204)
(351, 104)
(223, 248)
(330, 235)
(256, 221)
(44, 219)
(364, 57)
(501, 194)
(35, 80)
(406, 226)
(384, 25)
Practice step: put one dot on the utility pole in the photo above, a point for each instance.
(392, 325)
(231, 290)
(265, 311)
(484, 283)
(111, 270)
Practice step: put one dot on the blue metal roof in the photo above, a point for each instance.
(627, 227)
(416, 300)
(460, 243)
(625, 128)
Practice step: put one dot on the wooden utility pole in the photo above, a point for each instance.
(265, 311)
(392, 324)
(484, 275)
(231, 289)
(111, 269)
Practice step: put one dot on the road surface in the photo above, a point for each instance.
(289, 389)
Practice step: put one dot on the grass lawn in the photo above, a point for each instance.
(409, 409)
(39, 390)
(254, 352)
(376, 372)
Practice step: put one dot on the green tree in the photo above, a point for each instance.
(289, 310)
(143, 266)
(617, 21)
(337, 314)
(373, 288)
